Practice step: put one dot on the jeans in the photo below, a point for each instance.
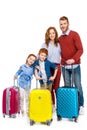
(67, 75)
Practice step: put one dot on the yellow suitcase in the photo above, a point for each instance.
(40, 106)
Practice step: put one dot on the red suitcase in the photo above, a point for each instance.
(11, 101)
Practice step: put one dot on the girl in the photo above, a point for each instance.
(24, 77)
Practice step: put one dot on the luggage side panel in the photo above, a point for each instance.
(14, 101)
(4, 102)
(40, 105)
(11, 101)
(67, 102)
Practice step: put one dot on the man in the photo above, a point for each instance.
(71, 51)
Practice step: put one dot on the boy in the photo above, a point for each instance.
(43, 70)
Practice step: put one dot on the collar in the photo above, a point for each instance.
(66, 33)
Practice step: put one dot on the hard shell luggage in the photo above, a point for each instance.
(67, 102)
(40, 106)
(11, 101)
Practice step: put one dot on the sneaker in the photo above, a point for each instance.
(27, 113)
(54, 108)
(81, 110)
(22, 112)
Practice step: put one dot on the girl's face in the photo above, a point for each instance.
(31, 60)
(42, 56)
(52, 34)
(64, 25)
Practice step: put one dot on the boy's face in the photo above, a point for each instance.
(42, 56)
(31, 60)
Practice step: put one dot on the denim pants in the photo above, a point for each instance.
(67, 76)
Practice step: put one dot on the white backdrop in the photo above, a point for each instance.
(22, 28)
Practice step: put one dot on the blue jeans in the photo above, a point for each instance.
(67, 75)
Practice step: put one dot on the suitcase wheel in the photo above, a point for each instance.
(76, 119)
(18, 113)
(4, 115)
(48, 122)
(59, 118)
(31, 122)
(13, 116)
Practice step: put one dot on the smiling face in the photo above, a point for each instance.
(31, 60)
(64, 25)
(52, 34)
(42, 56)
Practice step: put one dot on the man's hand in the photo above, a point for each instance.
(70, 61)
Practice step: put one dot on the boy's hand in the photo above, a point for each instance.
(52, 78)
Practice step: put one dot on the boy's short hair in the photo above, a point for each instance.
(43, 50)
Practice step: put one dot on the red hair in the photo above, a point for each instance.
(43, 50)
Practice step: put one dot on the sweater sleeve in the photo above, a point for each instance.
(78, 46)
(53, 65)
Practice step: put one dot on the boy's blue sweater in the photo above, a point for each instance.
(48, 66)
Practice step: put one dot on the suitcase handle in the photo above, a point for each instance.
(37, 84)
(15, 84)
(45, 84)
(72, 75)
(8, 93)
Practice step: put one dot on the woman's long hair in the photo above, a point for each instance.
(47, 38)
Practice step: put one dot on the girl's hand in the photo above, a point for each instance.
(38, 77)
(38, 67)
(15, 77)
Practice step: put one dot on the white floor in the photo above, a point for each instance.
(22, 27)
(22, 123)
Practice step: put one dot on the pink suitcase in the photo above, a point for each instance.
(11, 101)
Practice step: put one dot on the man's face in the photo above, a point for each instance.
(64, 25)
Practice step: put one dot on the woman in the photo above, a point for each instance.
(54, 55)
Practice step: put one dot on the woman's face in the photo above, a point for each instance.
(52, 34)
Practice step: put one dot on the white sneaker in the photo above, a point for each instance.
(81, 111)
(22, 112)
(54, 108)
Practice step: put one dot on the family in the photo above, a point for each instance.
(57, 55)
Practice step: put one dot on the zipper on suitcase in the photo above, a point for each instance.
(8, 94)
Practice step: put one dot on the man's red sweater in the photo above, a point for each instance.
(71, 47)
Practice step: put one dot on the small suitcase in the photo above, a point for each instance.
(40, 106)
(67, 102)
(11, 101)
